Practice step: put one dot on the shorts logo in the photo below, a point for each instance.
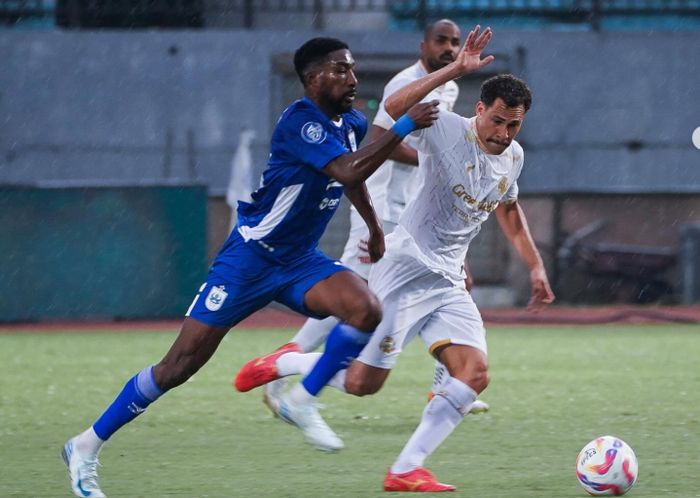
(216, 298)
(387, 345)
(313, 133)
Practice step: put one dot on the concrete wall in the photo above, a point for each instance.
(612, 112)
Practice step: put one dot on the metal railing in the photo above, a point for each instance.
(591, 12)
(14, 11)
(416, 13)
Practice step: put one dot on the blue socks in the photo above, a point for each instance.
(139, 392)
(343, 345)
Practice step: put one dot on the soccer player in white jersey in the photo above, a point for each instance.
(391, 187)
(471, 167)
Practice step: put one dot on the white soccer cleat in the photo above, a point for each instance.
(306, 417)
(272, 394)
(479, 406)
(82, 472)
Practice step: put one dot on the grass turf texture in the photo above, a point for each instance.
(552, 390)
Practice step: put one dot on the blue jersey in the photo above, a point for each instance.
(296, 200)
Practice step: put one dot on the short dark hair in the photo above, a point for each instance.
(431, 27)
(513, 91)
(314, 51)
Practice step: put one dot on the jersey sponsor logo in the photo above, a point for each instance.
(460, 191)
(215, 298)
(351, 139)
(328, 203)
(468, 217)
(313, 133)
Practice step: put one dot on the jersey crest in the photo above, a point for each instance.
(503, 185)
(313, 132)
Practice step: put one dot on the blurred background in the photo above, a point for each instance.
(127, 127)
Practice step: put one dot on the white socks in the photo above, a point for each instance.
(314, 333)
(296, 363)
(302, 363)
(87, 443)
(442, 414)
(440, 375)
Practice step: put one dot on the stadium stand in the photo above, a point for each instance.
(574, 15)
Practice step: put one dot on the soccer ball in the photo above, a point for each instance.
(606, 466)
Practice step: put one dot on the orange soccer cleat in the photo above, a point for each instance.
(420, 480)
(262, 370)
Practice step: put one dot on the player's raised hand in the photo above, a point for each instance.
(424, 114)
(542, 294)
(469, 57)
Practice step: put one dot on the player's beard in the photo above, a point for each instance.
(435, 64)
(341, 105)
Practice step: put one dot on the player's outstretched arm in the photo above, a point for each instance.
(359, 197)
(512, 220)
(402, 153)
(353, 169)
(468, 61)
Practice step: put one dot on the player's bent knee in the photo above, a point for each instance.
(479, 379)
(366, 314)
(359, 386)
(476, 377)
(363, 380)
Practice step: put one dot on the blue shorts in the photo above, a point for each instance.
(244, 282)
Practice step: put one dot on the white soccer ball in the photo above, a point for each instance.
(606, 466)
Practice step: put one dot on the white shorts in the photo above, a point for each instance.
(353, 257)
(418, 301)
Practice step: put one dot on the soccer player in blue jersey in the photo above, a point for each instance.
(272, 254)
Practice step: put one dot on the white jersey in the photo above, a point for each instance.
(462, 186)
(395, 183)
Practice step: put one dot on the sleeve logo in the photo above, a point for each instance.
(313, 133)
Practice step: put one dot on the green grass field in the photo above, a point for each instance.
(552, 390)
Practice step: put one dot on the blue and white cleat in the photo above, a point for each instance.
(272, 394)
(82, 472)
(306, 417)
